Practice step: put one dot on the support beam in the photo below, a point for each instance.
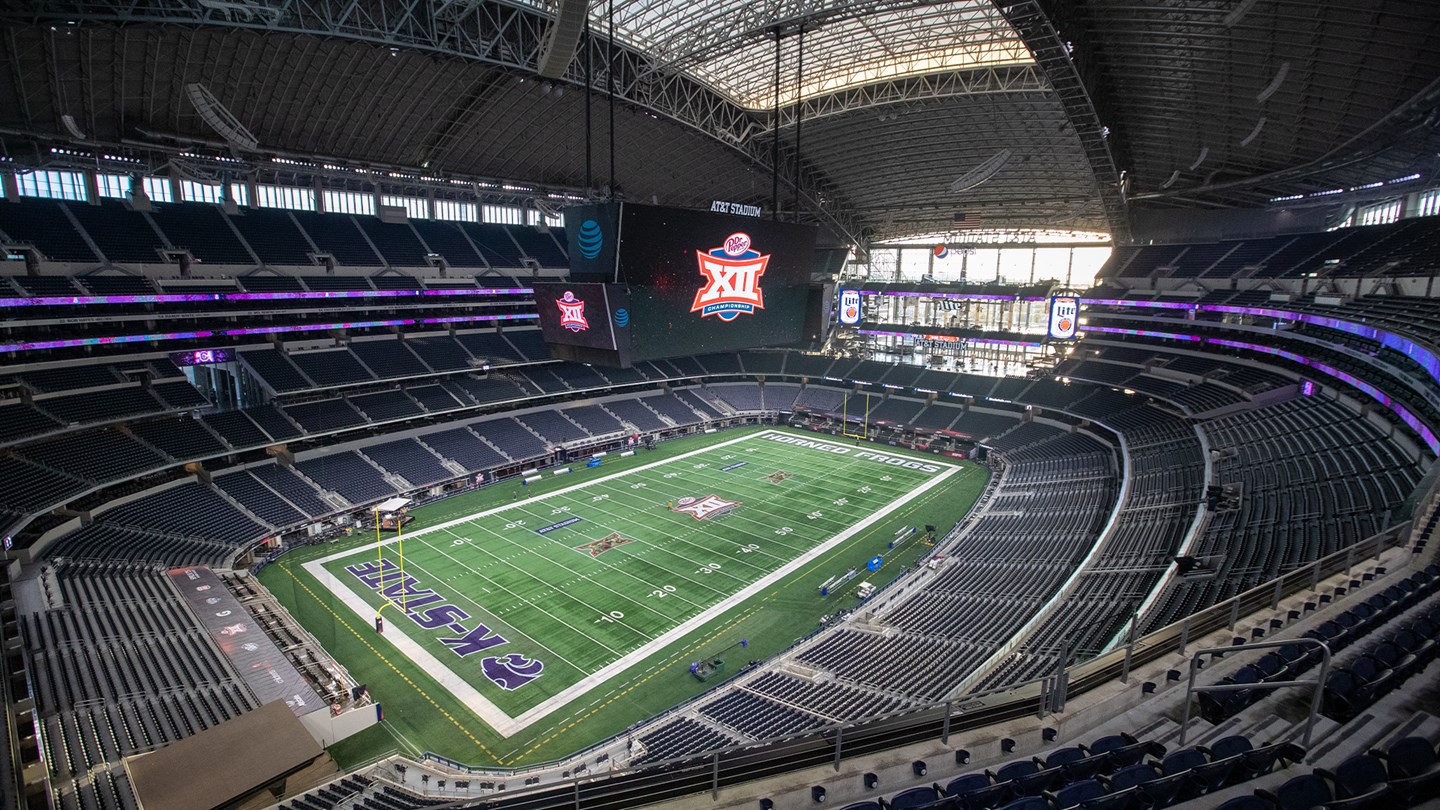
(1052, 55)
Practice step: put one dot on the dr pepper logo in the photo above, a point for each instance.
(732, 279)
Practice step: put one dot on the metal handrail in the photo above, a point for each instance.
(1316, 685)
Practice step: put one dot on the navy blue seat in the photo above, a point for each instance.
(912, 798)
(1123, 749)
(1027, 777)
(1183, 760)
(1343, 695)
(1272, 667)
(1376, 677)
(1412, 642)
(1310, 791)
(1075, 763)
(976, 790)
(1220, 772)
(1130, 776)
(1076, 794)
(1413, 770)
(1360, 776)
(1166, 790)
(1251, 802)
(1299, 657)
(862, 806)
(1398, 661)
(1304, 792)
(1027, 803)
(1262, 760)
(1216, 706)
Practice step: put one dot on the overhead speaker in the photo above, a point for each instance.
(220, 119)
(986, 170)
(1275, 83)
(1238, 12)
(562, 38)
(68, 121)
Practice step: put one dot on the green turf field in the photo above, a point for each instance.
(531, 621)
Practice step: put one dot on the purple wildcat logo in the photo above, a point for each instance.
(513, 671)
(432, 611)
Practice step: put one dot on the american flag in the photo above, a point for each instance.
(966, 220)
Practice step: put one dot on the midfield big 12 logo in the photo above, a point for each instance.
(732, 274)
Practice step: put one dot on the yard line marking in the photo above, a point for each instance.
(719, 609)
(588, 578)
(498, 719)
(527, 601)
(628, 557)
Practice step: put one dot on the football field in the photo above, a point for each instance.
(524, 612)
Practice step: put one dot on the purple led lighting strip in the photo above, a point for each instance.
(1422, 356)
(946, 338)
(253, 330)
(965, 296)
(182, 298)
(1426, 434)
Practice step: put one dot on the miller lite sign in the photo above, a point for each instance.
(732, 279)
(572, 312)
(850, 307)
(1064, 316)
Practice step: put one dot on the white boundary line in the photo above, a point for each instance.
(493, 715)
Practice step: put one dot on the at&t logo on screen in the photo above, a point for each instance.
(591, 239)
(572, 312)
(732, 279)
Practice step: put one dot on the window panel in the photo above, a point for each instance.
(191, 191)
(51, 184)
(456, 211)
(113, 186)
(415, 207)
(159, 189)
(503, 214)
(295, 199)
(348, 202)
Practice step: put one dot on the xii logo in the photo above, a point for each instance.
(732, 279)
(572, 312)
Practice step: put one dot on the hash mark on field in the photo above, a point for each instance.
(507, 725)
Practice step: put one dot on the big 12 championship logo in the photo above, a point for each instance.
(572, 312)
(732, 274)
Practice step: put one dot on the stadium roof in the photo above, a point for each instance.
(1014, 113)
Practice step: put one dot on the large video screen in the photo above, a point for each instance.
(585, 316)
(702, 282)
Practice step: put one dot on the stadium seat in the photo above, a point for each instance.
(1076, 764)
(1164, 791)
(1413, 769)
(1130, 776)
(913, 798)
(1027, 777)
(1123, 749)
(1251, 802)
(1313, 790)
(1076, 794)
(1362, 776)
(1027, 803)
(976, 790)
